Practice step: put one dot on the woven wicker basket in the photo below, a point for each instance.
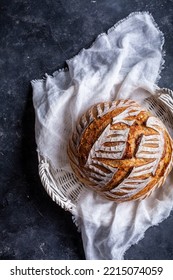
(64, 188)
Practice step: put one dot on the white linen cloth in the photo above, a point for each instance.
(124, 63)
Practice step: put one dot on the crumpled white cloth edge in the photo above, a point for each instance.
(107, 32)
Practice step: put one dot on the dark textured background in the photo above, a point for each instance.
(37, 37)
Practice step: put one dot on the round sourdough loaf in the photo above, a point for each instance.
(120, 150)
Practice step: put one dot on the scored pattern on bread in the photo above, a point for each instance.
(145, 150)
(99, 111)
(120, 150)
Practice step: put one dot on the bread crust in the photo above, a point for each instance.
(121, 150)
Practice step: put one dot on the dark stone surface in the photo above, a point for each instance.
(37, 37)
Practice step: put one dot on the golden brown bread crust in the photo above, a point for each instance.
(120, 150)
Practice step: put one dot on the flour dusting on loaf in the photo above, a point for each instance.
(120, 150)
